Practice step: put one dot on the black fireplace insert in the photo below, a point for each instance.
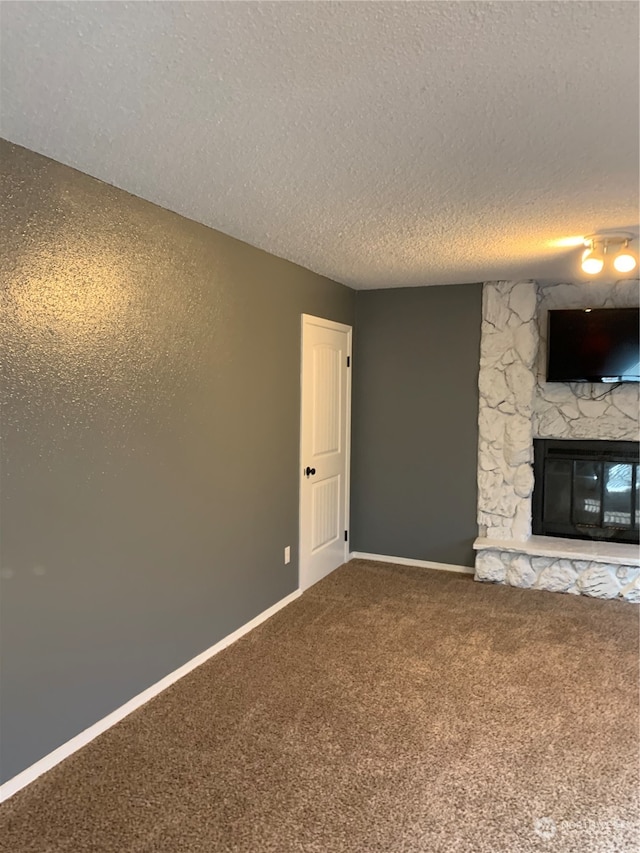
(587, 489)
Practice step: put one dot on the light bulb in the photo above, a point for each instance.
(625, 261)
(592, 260)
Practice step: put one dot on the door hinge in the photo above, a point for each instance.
(348, 361)
(346, 536)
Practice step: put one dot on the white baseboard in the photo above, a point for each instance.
(407, 561)
(13, 785)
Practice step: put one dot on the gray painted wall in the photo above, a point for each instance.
(150, 453)
(415, 422)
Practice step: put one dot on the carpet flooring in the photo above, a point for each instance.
(387, 709)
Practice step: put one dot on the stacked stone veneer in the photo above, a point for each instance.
(516, 404)
(508, 350)
(580, 577)
(568, 410)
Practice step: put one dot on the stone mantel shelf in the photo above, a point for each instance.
(611, 553)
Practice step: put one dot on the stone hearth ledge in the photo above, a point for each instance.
(598, 569)
(615, 553)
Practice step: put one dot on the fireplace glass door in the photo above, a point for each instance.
(587, 490)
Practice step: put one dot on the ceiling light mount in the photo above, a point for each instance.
(601, 247)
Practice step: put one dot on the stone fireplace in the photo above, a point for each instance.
(517, 406)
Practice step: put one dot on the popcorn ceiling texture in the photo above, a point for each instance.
(516, 404)
(380, 144)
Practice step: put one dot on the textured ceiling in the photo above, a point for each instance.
(382, 144)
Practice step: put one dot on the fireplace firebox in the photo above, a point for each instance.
(587, 489)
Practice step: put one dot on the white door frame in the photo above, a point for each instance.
(310, 319)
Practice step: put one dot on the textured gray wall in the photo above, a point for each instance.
(150, 443)
(415, 422)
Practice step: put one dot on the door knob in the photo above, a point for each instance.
(309, 471)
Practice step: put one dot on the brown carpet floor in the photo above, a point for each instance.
(388, 709)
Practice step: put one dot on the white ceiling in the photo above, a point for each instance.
(383, 144)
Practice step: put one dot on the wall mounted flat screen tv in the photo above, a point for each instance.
(594, 345)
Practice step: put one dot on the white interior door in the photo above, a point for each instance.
(324, 447)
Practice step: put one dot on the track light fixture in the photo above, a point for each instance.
(593, 259)
(600, 247)
(625, 260)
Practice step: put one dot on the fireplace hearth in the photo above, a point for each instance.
(587, 489)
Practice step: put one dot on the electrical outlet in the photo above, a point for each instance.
(287, 555)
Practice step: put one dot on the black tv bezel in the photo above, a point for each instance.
(595, 380)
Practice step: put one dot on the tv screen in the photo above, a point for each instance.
(594, 345)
